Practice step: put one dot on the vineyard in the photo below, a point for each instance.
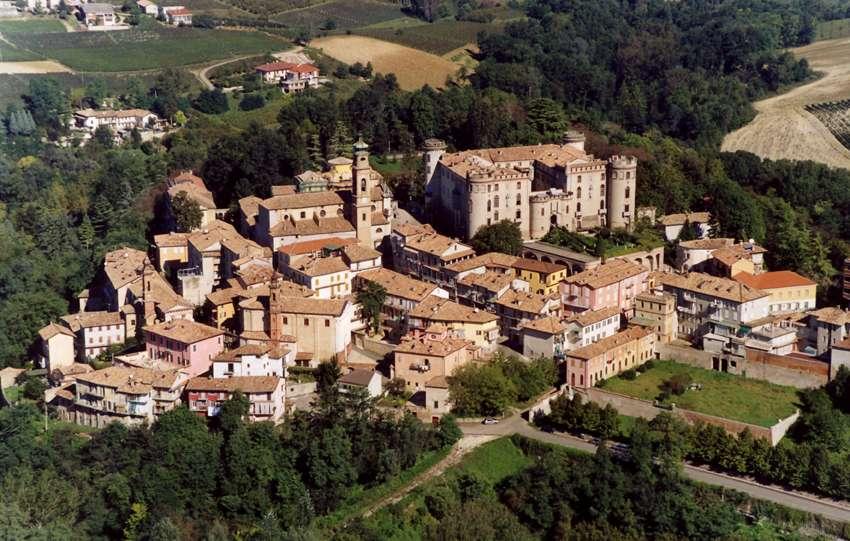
(835, 115)
(437, 38)
(346, 14)
(141, 49)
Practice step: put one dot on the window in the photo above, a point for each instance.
(489, 205)
(496, 201)
(628, 191)
(363, 185)
(285, 320)
(496, 216)
(518, 214)
(602, 205)
(194, 347)
(306, 322)
(327, 323)
(627, 208)
(628, 174)
(578, 192)
(578, 207)
(518, 199)
(303, 214)
(579, 178)
(489, 188)
(519, 187)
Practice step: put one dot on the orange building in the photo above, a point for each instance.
(587, 366)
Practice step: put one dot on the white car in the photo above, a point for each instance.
(489, 421)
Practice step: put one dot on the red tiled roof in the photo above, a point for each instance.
(773, 280)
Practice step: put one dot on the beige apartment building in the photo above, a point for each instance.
(423, 356)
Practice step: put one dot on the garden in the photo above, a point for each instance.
(707, 391)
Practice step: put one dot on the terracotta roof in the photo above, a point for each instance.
(340, 160)
(537, 266)
(124, 265)
(595, 316)
(489, 280)
(434, 308)
(317, 245)
(251, 304)
(729, 255)
(773, 280)
(179, 11)
(399, 285)
(109, 113)
(302, 200)
(547, 325)
(523, 301)
(433, 348)
(489, 260)
(85, 320)
(487, 158)
(199, 194)
(606, 274)
(171, 239)
(250, 207)
(438, 382)
(713, 286)
(258, 274)
(610, 342)
(439, 245)
(184, 330)
(682, 218)
(283, 189)
(407, 229)
(832, 315)
(52, 329)
(311, 226)
(843, 345)
(255, 350)
(254, 335)
(356, 253)
(223, 296)
(358, 377)
(154, 288)
(313, 266)
(706, 244)
(132, 380)
(312, 306)
(213, 233)
(246, 384)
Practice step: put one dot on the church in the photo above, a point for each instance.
(363, 210)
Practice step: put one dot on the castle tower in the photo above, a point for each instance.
(574, 139)
(275, 322)
(432, 151)
(622, 183)
(361, 194)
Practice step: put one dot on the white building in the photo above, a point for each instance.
(95, 332)
(674, 223)
(117, 120)
(370, 381)
(253, 360)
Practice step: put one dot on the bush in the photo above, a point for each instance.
(212, 102)
(629, 374)
(645, 366)
(251, 102)
(677, 384)
(34, 388)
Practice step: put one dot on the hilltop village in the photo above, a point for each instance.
(331, 270)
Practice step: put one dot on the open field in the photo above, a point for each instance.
(155, 47)
(783, 129)
(8, 53)
(724, 395)
(32, 67)
(412, 67)
(346, 14)
(438, 38)
(22, 26)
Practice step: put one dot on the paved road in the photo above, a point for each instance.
(795, 500)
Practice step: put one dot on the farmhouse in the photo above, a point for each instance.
(117, 120)
(98, 14)
(148, 7)
(178, 15)
(291, 77)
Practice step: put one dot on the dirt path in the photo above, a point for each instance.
(33, 67)
(783, 129)
(462, 448)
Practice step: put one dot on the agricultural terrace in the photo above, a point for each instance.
(724, 395)
(412, 67)
(31, 26)
(12, 86)
(346, 14)
(154, 47)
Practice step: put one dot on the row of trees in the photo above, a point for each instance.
(181, 479)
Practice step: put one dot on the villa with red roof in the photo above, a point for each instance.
(291, 77)
(789, 291)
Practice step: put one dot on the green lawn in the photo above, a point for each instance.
(724, 395)
(152, 47)
(494, 461)
(31, 26)
(13, 393)
(839, 28)
(265, 116)
(13, 54)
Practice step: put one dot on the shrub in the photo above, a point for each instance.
(645, 366)
(251, 102)
(629, 374)
(677, 384)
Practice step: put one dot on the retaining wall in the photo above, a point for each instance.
(636, 407)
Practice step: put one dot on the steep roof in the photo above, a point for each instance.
(124, 265)
(85, 320)
(358, 377)
(52, 329)
(172, 239)
(313, 266)
(546, 325)
(302, 200)
(489, 260)
(313, 306)
(311, 226)
(434, 308)
(523, 301)
(356, 253)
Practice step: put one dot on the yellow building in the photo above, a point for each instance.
(789, 292)
(221, 306)
(340, 169)
(657, 312)
(542, 277)
(172, 251)
(465, 322)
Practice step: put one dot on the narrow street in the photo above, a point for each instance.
(794, 499)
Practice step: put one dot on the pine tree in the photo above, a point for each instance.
(101, 214)
(315, 151)
(341, 142)
(12, 124)
(86, 233)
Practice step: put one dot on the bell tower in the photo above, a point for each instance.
(275, 324)
(361, 194)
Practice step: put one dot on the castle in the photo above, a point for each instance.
(535, 186)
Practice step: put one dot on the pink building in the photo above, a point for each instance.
(611, 284)
(186, 343)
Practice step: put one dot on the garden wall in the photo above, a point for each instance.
(371, 345)
(635, 407)
(778, 369)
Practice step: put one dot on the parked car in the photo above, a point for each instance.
(489, 421)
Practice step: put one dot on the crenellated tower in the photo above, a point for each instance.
(622, 184)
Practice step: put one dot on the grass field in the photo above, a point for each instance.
(412, 67)
(13, 54)
(143, 49)
(264, 116)
(31, 26)
(724, 395)
(437, 38)
(346, 14)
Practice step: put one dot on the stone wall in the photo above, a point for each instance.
(543, 406)
(371, 345)
(294, 390)
(635, 407)
(778, 369)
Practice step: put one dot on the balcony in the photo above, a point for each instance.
(265, 407)
(421, 367)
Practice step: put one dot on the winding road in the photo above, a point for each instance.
(810, 503)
